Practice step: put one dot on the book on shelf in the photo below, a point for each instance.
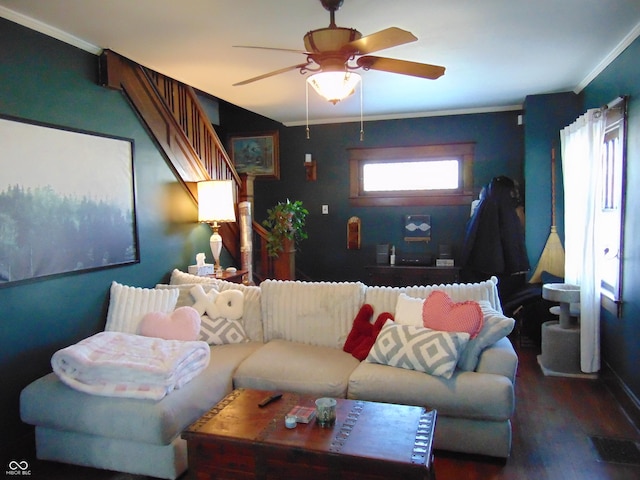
(303, 414)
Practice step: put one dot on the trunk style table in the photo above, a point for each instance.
(237, 439)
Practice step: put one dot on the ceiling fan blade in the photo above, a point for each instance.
(387, 38)
(292, 50)
(270, 74)
(403, 67)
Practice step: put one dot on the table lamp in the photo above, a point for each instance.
(215, 206)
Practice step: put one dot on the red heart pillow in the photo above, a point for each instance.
(439, 312)
(181, 324)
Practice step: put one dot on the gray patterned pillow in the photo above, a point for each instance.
(221, 331)
(495, 326)
(418, 348)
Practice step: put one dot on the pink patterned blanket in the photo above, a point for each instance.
(119, 364)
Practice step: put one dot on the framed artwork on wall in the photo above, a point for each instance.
(417, 228)
(67, 201)
(256, 154)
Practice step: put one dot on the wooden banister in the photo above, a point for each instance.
(174, 116)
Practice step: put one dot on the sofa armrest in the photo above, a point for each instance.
(500, 359)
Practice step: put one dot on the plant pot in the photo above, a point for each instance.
(284, 265)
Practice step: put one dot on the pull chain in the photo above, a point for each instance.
(361, 119)
(307, 103)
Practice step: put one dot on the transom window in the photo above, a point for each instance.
(411, 175)
(422, 175)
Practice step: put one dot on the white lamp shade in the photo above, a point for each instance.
(334, 86)
(215, 201)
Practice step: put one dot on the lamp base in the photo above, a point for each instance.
(215, 242)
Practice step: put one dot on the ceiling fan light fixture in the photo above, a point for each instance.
(334, 86)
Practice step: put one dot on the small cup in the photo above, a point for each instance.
(326, 412)
(290, 421)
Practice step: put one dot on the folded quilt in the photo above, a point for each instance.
(117, 364)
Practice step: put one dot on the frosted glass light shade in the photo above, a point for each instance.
(334, 86)
(215, 201)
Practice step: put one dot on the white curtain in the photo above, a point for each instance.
(581, 147)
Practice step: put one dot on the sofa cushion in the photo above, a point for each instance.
(252, 314)
(127, 306)
(384, 299)
(221, 313)
(179, 277)
(482, 396)
(297, 367)
(185, 299)
(49, 402)
(499, 358)
(418, 348)
(495, 326)
(408, 310)
(316, 313)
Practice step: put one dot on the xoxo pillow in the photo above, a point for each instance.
(181, 324)
(439, 312)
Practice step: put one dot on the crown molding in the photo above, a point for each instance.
(399, 116)
(607, 60)
(48, 30)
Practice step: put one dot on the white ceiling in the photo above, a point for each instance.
(495, 51)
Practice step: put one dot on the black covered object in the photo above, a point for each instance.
(494, 238)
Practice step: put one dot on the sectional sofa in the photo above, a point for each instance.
(290, 337)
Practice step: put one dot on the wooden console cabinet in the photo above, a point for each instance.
(402, 276)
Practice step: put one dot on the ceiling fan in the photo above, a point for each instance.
(343, 50)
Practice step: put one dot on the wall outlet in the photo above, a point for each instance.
(325, 209)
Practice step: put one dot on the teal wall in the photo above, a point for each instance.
(544, 117)
(621, 336)
(324, 256)
(44, 80)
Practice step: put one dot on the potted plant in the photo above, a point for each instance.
(285, 226)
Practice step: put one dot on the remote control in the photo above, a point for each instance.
(271, 398)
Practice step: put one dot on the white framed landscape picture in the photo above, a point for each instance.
(67, 201)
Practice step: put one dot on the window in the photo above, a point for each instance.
(611, 217)
(404, 176)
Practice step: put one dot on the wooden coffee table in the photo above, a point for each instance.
(236, 439)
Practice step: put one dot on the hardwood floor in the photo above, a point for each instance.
(552, 424)
(554, 420)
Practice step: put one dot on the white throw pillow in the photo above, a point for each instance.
(495, 326)
(409, 310)
(418, 348)
(178, 278)
(184, 297)
(221, 315)
(127, 306)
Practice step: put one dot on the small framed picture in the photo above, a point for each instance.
(417, 228)
(256, 154)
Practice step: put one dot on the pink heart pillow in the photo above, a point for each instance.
(439, 312)
(181, 324)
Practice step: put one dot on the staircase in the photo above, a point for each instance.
(173, 115)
